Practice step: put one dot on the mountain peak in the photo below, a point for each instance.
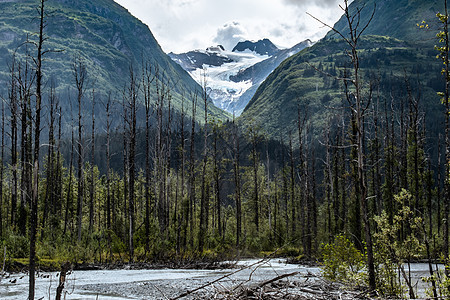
(218, 48)
(262, 47)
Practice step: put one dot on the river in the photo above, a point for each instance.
(160, 284)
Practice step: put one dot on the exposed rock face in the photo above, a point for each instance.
(262, 47)
(194, 60)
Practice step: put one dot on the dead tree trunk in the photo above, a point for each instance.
(108, 173)
(2, 157)
(204, 200)
(80, 74)
(237, 183)
(146, 84)
(37, 133)
(132, 98)
(192, 173)
(92, 183)
(14, 111)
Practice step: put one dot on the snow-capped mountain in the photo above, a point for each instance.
(232, 77)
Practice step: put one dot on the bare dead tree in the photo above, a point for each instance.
(237, 183)
(92, 179)
(108, 172)
(2, 158)
(358, 105)
(69, 185)
(132, 101)
(80, 76)
(37, 133)
(217, 179)
(204, 203)
(192, 172)
(49, 200)
(25, 81)
(147, 80)
(13, 107)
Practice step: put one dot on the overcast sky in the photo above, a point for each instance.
(183, 25)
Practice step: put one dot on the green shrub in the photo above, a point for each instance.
(17, 246)
(343, 262)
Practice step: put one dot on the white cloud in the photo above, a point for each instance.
(183, 25)
(321, 3)
(230, 34)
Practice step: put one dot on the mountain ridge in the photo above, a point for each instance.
(262, 47)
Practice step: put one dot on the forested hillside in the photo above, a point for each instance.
(395, 55)
(104, 35)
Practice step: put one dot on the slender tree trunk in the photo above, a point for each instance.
(335, 184)
(192, 175)
(108, 173)
(447, 141)
(237, 183)
(49, 200)
(292, 192)
(37, 133)
(14, 112)
(133, 90)
(439, 185)
(59, 170)
(313, 206)
(254, 155)
(147, 80)
(69, 188)
(204, 200)
(79, 71)
(217, 183)
(185, 202)
(2, 158)
(125, 167)
(25, 193)
(92, 183)
(269, 198)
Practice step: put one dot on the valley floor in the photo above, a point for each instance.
(250, 279)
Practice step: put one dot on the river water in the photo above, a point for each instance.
(160, 284)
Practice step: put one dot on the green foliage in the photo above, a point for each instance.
(443, 284)
(343, 262)
(396, 243)
(17, 246)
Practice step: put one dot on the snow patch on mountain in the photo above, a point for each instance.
(221, 89)
(232, 77)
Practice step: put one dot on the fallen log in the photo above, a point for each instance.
(277, 278)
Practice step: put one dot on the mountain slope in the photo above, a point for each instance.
(385, 59)
(104, 34)
(259, 72)
(396, 19)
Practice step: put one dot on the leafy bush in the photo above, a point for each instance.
(391, 252)
(17, 246)
(343, 262)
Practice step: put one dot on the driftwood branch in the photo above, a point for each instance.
(277, 278)
(189, 292)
